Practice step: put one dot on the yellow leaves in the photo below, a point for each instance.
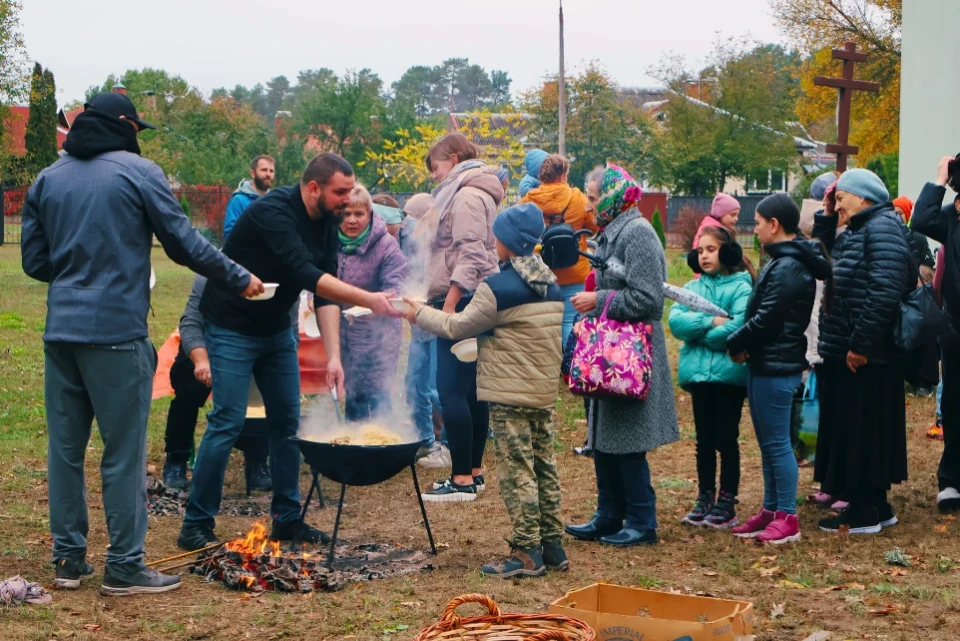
(940, 529)
(769, 571)
(791, 585)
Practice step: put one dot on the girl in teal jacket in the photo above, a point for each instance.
(716, 384)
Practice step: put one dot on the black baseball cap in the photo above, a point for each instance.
(116, 105)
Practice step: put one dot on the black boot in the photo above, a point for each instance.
(175, 475)
(257, 471)
(594, 529)
(554, 556)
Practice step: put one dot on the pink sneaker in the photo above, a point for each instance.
(785, 528)
(754, 525)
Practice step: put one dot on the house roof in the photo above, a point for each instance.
(16, 127)
(646, 98)
(514, 123)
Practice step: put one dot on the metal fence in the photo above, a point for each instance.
(13, 198)
(682, 209)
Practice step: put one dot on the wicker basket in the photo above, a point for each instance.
(497, 626)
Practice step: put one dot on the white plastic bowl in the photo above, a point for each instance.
(269, 289)
(310, 327)
(153, 278)
(466, 350)
(401, 305)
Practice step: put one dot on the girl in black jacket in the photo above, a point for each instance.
(772, 341)
(862, 438)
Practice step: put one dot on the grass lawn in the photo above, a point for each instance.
(827, 582)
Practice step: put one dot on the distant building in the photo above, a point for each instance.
(15, 126)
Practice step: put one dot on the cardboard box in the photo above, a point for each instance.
(619, 613)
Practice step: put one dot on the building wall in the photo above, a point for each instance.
(929, 90)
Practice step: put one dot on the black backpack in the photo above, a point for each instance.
(560, 244)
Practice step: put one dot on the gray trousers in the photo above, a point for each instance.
(114, 384)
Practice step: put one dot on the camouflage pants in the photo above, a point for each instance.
(527, 468)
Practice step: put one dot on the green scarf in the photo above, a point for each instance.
(351, 245)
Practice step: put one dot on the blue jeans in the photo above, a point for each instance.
(624, 490)
(569, 291)
(771, 404)
(360, 407)
(421, 382)
(272, 362)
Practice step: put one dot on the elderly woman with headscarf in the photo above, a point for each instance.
(368, 258)
(625, 430)
(862, 438)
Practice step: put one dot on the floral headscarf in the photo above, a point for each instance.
(619, 192)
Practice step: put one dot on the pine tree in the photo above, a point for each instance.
(41, 132)
(658, 227)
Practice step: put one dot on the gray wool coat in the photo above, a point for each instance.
(624, 426)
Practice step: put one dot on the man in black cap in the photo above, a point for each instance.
(88, 227)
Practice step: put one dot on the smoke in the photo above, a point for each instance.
(321, 422)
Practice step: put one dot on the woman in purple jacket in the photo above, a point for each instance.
(369, 258)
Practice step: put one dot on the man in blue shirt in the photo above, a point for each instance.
(262, 170)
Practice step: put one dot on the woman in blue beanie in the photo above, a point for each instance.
(862, 439)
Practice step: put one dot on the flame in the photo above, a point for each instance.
(255, 542)
(305, 556)
(248, 581)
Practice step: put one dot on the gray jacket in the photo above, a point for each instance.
(625, 426)
(88, 228)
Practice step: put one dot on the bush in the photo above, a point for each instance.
(658, 227)
(185, 205)
(687, 224)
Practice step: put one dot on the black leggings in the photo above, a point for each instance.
(716, 412)
(466, 419)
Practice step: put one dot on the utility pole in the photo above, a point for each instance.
(562, 88)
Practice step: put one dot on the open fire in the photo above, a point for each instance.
(255, 563)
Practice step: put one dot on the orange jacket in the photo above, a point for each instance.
(560, 198)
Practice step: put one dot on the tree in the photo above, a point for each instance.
(500, 88)
(13, 86)
(737, 133)
(599, 127)
(658, 227)
(342, 117)
(887, 168)
(40, 137)
(278, 96)
(417, 86)
(167, 90)
(818, 26)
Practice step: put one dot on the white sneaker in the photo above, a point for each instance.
(438, 457)
(948, 500)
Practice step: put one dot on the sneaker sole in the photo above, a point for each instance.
(748, 535)
(133, 590)
(563, 567)
(454, 497)
(889, 522)
(691, 522)
(722, 526)
(867, 529)
(67, 584)
(790, 539)
(522, 574)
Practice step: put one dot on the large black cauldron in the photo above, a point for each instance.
(359, 465)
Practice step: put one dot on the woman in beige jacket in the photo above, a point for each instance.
(462, 252)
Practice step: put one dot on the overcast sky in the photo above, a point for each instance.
(214, 43)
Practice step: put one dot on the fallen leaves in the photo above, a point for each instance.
(843, 586)
(92, 627)
(792, 585)
(882, 611)
(898, 572)
(777, 610)
(768, 559)
(940, 529)
(769, 571)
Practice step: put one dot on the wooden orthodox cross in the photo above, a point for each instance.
(847, 85)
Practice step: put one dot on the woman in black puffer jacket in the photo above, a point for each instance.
(773, 342)
(862, 439)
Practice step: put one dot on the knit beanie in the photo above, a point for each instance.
(906, 205)
(818, 188)
(723, 205)
(417, 205)
(390, 215)
(503, 175)
(519, 228)
(864, 183)
(619, 192)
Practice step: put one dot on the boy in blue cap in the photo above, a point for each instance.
(517, 316)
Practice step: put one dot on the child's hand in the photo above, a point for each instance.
(719, 320)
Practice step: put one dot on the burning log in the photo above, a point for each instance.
(254, 563)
